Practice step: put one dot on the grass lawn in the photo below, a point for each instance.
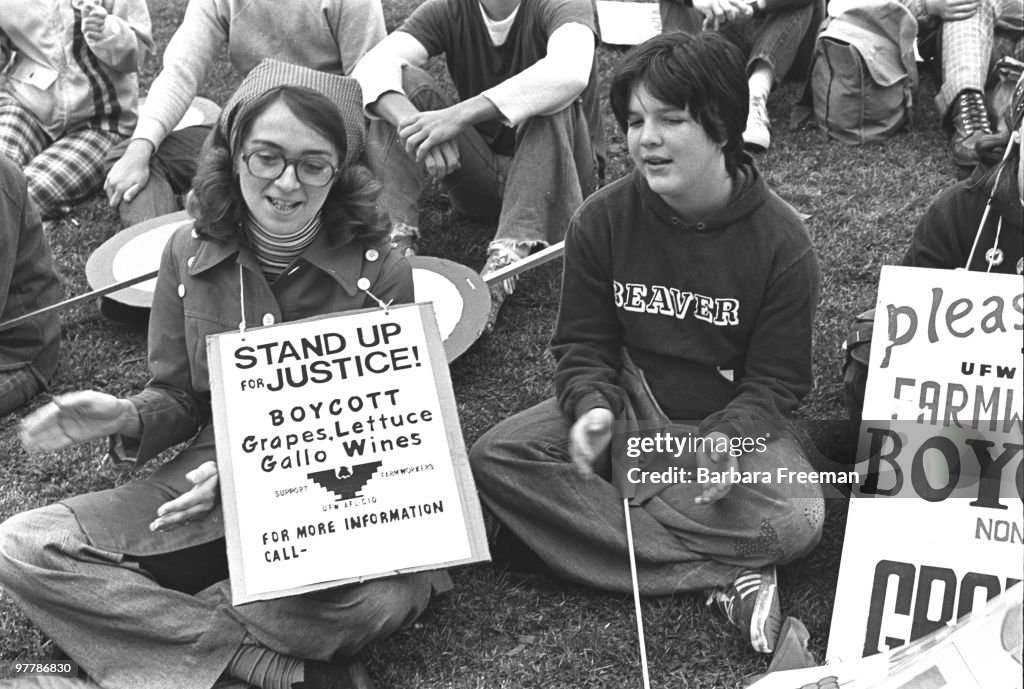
(504, 630)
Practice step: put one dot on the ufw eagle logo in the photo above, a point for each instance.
(345, 482)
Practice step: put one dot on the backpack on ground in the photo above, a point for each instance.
(863, 71)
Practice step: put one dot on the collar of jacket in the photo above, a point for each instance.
(343, 262)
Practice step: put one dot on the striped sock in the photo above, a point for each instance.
(256, 664)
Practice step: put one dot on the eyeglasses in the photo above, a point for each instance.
(310, 170)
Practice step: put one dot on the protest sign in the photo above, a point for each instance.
(340, 453)
(981, 651)
(627, 23)
(936, 525)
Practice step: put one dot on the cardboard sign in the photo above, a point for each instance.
(981, 651)
(936, 525)
(340, 453)
(627, 23)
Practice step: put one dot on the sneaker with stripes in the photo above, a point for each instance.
(752, 605)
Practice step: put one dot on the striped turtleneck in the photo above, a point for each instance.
(276, 252)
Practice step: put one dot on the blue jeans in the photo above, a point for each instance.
(776, 37)
(125, 630)
(532, 194)
(574, 522)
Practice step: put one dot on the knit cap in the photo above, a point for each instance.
(344, 92)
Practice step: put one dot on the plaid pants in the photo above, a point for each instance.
(60, 173)
(971, 46)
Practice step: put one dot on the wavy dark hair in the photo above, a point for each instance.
(351, 210)
(704, 73)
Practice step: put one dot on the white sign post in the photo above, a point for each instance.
(936, 525)
(340, 453)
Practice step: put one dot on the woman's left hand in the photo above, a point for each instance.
(191, 505)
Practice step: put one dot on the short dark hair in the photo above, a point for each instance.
(351, 210)
(703, 73)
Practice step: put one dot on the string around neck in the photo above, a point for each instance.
(363, 285)
(241, 299)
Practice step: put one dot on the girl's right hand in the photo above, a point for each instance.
(589, 437)
(76, 418)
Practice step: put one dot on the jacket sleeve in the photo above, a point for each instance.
(777, 371)
(358, 25)
(169, 407)
(186, 60)
(587, 342)
(127, 36)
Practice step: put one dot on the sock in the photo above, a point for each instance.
(256, 664)
(760, 80)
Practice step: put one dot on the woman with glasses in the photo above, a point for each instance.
(131, 582)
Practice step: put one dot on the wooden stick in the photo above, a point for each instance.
(636, 596)
(532, 261)
(116, 287)
(521, 266)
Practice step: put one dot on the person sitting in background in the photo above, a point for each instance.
(147, 175)
(974, 35)
(978, 223)
(69, 91)
(975, 224)
(28, 281)
(525, 144)
(689, 293)
(132, 582)
(770, 34)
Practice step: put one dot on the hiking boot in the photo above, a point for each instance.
(752, 605)
(758, 134)
(497, 258)
(403, 239)
(970, 124)
(351, 674)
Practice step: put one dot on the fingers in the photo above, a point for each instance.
(411, 133)
(435, 164)
(129, 175)
(589, 437)
(722, 464)
(203, 473)
(172, 520)
(441, 161)
(450, 150)
(717, 13)
(956, 10)
(191, 505)
(116, 193)
(428, 136)
(41, 430)
(717, 491)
